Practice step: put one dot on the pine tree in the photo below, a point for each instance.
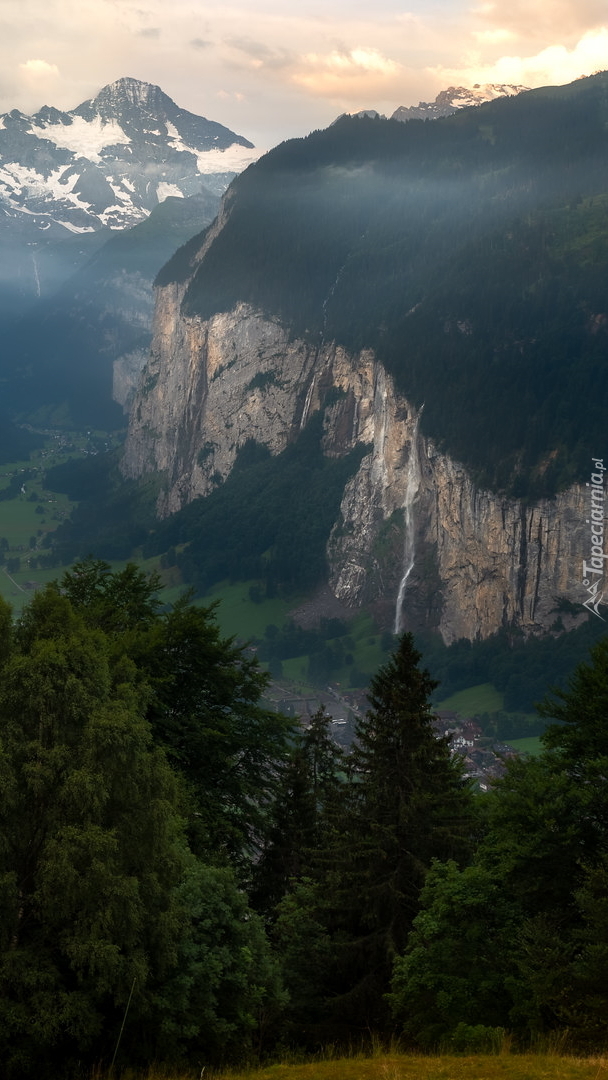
(309, 785)
(408, 805)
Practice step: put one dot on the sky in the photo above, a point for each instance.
(275, 69)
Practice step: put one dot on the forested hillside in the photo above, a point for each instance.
(468, 252)
(186, 877)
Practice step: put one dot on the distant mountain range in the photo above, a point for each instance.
(450, 101)
(456, 97)
(92, 202)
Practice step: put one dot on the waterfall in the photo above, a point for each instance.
(412, 485)
(307, 403)
(36, 277)
(327, 299)
(310, 391)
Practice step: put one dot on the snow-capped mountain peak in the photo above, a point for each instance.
(456, 97)
(110, 160)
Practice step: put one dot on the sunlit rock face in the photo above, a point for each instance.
(415, 537)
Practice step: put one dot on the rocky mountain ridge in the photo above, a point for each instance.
(449, 101)
(457, 97)
(443, 297)
(478, 561)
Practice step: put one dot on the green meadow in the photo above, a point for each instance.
(30, 516)
(476, 699)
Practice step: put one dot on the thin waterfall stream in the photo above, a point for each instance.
(412, 485)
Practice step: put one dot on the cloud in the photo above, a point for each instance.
(259, 55)
(286, 68)
(544, 22)
(552, 65)
(39, 69)
(493, 37)
(357, 71)
(230, 95)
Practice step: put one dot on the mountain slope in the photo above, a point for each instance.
(468, 253)
(436, 292)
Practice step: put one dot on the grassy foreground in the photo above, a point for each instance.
(413, 1067)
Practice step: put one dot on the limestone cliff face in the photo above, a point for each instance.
(415, 537)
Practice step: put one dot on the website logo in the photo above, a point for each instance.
(594, 566)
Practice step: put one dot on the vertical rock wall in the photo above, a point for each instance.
(481, 561)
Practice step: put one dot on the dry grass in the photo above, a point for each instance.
(412, 1067)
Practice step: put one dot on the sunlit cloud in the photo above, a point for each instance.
(230, 95)
(39, 69)
(257, 54)
(550, 22)
(493, 37)
(357, 71)
(554, 65)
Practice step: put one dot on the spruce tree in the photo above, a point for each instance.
(409, 804)
(309, 787)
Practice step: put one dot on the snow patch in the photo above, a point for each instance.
(75, 228)
(118, 191)
(117, 217)
(26, 184)
(87, 138)
(234, 158)
(165, 191)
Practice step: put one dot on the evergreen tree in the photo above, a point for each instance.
(412, 804)
(325, 759)
(409, 805)
(405, 804)
(578, 738)
(308, 789)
